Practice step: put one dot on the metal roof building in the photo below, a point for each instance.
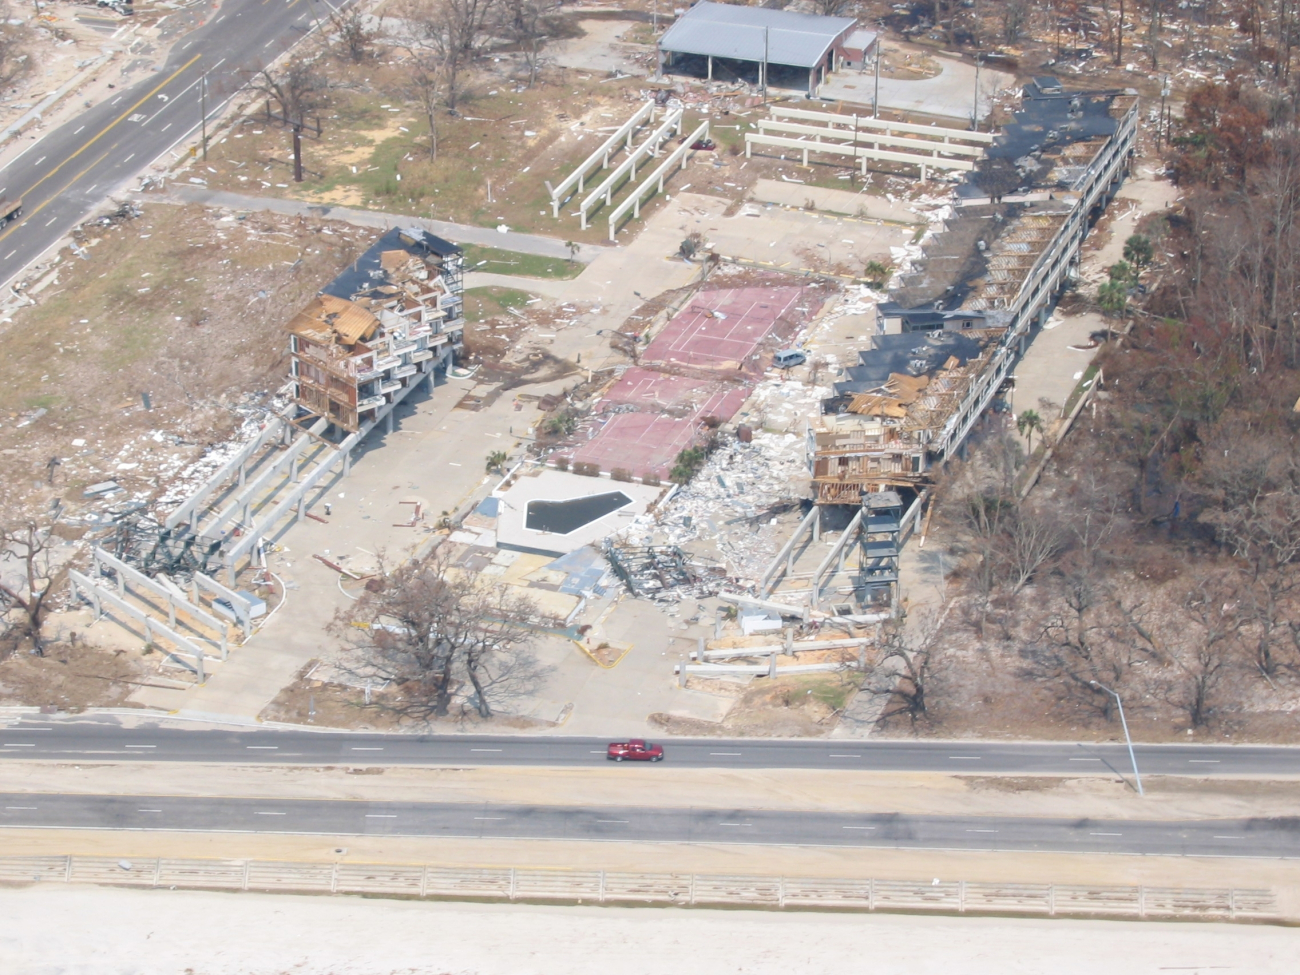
(754, 44)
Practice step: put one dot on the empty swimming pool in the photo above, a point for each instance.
(563, 517)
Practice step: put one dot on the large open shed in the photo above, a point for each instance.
(757, 45)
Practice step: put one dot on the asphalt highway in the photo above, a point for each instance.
(92, 740)
(1221, 838)
(65, 175)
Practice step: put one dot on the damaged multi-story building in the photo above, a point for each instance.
(388, 321)
(958, 320)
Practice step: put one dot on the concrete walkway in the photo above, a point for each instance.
(458, 233)
(860, 204)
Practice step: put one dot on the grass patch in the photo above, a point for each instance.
(1080, 388)
(484, 303)
(523, 265)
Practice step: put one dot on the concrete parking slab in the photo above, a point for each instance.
(950, 94)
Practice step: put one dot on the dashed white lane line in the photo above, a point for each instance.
(1203, 761)
(735, 824)
(269, 814)
(1085, 759)
(139, 746)
(981, 831)
(614, 822)
(1105, 834)
(726, 754)
(367, 749)
(14, 744)
(149, 810)
(965, 758)
(485, 749)
(381, 816)
(263, 748)
(857, 827)
(489, 818)
(22, 808)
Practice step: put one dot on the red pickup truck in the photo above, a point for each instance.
(635, 750)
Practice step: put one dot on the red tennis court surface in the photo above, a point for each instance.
(723, 330)
(651, 390)
(640, 443)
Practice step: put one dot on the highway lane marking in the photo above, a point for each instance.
(11, 253)
(965, 758)
(139, 746)
(983, 831)
(485, 749)
(103, 132)
(21, 808)
(846, 756)
(1229, 837)
(166, 127)
(127, 159)
(614, 822)
(149, 810)
(1203, 761)
(487, 818)
(51, 220)
(41, 160)
(732, 754)
(735, 824)
(78, 130)
(360, 749)
(271, 748)
(1105, 834)
(380, 816)
(1085, 759)
(857, 827)
(10, 744)
(597, 753)
(269, 814)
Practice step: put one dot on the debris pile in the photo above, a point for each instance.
(663, 572)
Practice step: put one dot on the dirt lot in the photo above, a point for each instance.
(182, 304)
(799, 706)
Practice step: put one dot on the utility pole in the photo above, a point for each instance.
(203, 110)
(975, 111)
(875, 99)
(764, 66)
(297, 125)
(1160, 127)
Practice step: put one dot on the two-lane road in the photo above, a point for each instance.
(67, 173)
(333, 817)
(61, 739)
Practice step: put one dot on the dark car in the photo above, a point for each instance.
(636, 750)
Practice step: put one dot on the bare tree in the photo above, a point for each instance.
(28, 590)
(436, 633)
(905, 671)
(424, 86)
(1032, 539)
(527, 23)
(296, 91)
(1203, 652)
(355, 39)
(446, 36)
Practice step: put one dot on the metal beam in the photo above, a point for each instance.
(859, 136)
(127, 573)
(605, 191)
(678, 155)
(864, 122)
(560, 193)
(189, 508)
(857, 152)
(98, 594)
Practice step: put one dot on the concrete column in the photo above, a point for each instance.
(347, 463)
(388, 422)
(710, 67)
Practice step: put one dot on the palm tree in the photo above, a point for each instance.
(1029, 423)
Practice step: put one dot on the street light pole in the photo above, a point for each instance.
(203, 109)
(1131, 757)
(875, 99)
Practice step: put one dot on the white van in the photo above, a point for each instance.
(789, 357)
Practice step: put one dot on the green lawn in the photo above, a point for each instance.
(484, 303)
(523, 265)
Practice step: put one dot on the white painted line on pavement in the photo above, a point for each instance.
(1203, 761)
(965, 758)
(735, 824)
(1105, 834)
(981, 831)
(1085, 759)
(857, 827)
(149, 810)
(41, 160)
(485, 749)
(11, 253)
(268, 814)
(380, 816)
(846, 756)
(10, 744)
(263, 747)
(139, 746)
(24, 808)
(616, 822)
(129, 158)
(78, 130)
(485, 818)
(51, 220)
(725, 753)
(361, 749)
(1229, 837)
